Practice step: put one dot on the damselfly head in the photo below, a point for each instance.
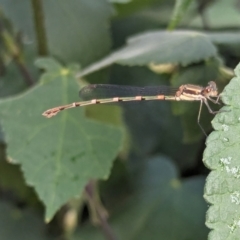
(211, 90)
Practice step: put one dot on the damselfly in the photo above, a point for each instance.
(108, 93)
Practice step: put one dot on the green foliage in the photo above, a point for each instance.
(220, 14)
(57, 162)
(180, 9)
(120, 1)
(21, 224)
(158, 203)
(222, 157)
(157, 47)
(67, 27)
(134, 170)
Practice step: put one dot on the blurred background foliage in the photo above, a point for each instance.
(156, 184)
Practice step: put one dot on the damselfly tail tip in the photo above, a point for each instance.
(50, 113)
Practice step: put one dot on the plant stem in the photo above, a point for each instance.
(14, 51)
(24, 71)
(90, 190)
(38, 15)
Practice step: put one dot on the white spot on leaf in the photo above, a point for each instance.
(235, 197)
(225, 127)
(226, 161)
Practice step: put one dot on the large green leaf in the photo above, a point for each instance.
(160, 207)
(177, 47)
(220, 14)
(81, 32)
(76, 30)
(222, 157)
(58, 156)
(228, 44)
(225, 38)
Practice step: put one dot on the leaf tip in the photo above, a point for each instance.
(64, 71)
(237, 70)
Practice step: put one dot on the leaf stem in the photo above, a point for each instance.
(13, 49)
(24, 71)
(180, 8)
(99, 210)
(38, 16)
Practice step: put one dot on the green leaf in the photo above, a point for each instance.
(11, 179)
(12, 80)
(120, 1)
(77, 31)
(220, 14)
(222, 157)
(58, 156)
(227, 42)
(224, 38)
(17, 224)
(180, 8)
(48, 64)
(88, 37)
(132, 7)
(160, 207)
(178, 47)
